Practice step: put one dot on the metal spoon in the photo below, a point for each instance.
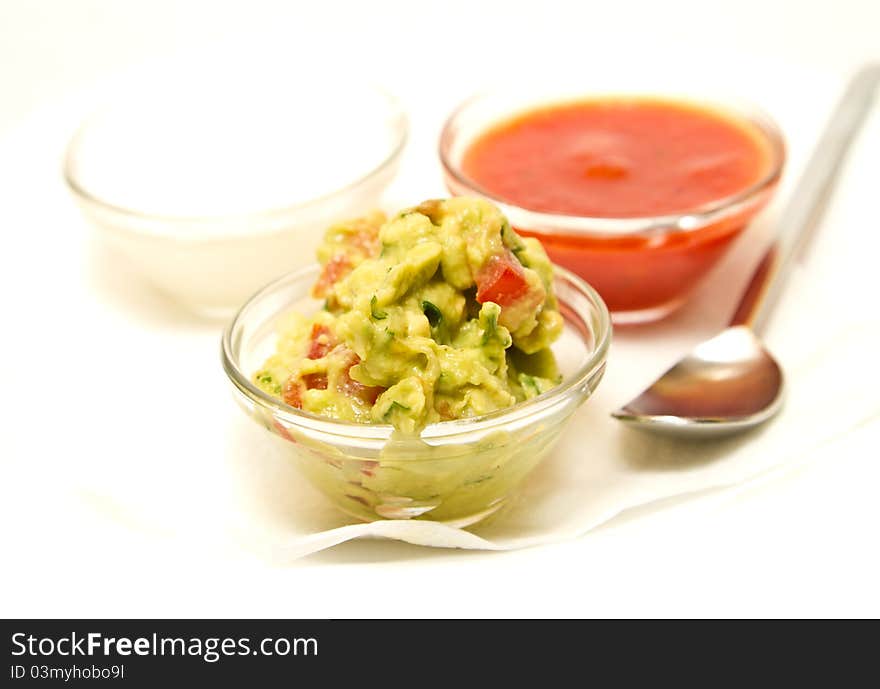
(731, 382)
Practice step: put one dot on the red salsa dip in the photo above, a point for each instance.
(629, 158)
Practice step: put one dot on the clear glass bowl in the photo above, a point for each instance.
(212, 193)
(644, 267)
(456, 472)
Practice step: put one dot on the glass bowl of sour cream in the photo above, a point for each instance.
(213, 182)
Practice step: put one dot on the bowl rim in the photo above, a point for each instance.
(440, 430)
(542, 222)
(401, 129)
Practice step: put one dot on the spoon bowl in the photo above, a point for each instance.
(724, 385)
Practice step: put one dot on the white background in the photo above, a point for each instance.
(801, 543)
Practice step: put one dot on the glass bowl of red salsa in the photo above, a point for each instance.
(640, 195)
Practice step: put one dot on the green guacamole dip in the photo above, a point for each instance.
(441, 312)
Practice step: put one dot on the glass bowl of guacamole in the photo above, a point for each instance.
(425, 366)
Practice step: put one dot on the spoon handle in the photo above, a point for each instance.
(808, 200)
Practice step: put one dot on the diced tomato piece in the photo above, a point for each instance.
(366, 241)
(334, 270)
(445, 410)
(322, 341)
(432, 209)
(501, 280)
(315, 381)
(292, 393)
(295, 387)
(368, 394)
